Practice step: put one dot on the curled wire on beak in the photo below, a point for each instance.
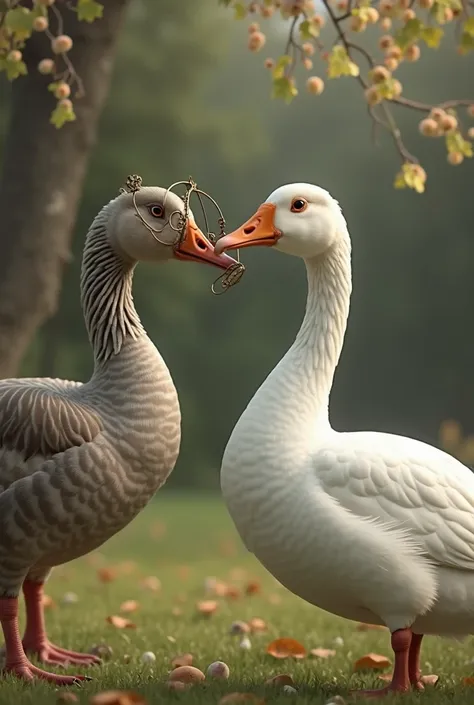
(178, 220)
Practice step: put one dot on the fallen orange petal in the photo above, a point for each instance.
(237, 573)
(106, 575)
(152, 583)
(374, 662)
(322, 653)
(257, 625)
(184, 572)
(286, 647)
(182, 660)
(385, 677)
(227, 547)
(232, 592)
(207, 607)
(468, 680)
(117, 697)
(220, 589)
(274, 599)
(235, 698)
(363, 627)
(429, 679)
(280, 680)
(186, 674)
(129, 606)
(120, 622)
(252, 588)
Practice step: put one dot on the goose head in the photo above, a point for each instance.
(152, 228)
(299, 219)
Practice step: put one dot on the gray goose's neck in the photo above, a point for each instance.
(106, 294)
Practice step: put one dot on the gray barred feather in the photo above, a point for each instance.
(79, 461)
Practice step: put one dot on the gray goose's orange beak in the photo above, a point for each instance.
(195, 247)
(258, 230)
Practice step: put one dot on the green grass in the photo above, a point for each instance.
(199, 541)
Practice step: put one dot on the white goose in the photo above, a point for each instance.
(369, 526)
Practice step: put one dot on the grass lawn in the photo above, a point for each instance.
(183, 541)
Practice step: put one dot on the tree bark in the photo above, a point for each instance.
(42, 176)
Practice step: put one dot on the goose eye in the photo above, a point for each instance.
(298, 205)
(156, 211)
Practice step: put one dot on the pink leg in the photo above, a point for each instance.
(15, 659)
(401, 640)
(35, 640)
(414, 671)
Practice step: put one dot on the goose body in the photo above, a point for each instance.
(372, 527)
(79, 461)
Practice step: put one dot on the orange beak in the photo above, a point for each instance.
(258, 230)
(196, 247)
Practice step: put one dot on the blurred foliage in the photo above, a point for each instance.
(405, 27)
(186, 100)
(453, 441)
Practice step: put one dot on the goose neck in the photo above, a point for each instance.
(106, 294)
(313, 357)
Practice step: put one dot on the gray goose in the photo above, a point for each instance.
(79, 461)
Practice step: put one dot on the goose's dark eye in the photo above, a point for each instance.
(298, 205)
(157, 211)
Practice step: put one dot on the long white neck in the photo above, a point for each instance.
(291, 406)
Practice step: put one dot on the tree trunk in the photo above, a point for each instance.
(42, 177)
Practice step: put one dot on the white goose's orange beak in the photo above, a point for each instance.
(258, 230)
(196, 247)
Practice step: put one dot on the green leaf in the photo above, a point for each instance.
(13, 69)
(89, 10)
(284, 88)
(226, 3)
(62, 114)
(240, 11)
(387, 89)
(455, 142)
(468, 26)
(399, 182)
(308, 30)
(432, 36)
(466, 43)
(411, 176)
(340, 64)
(280, 66)
(408, 34)
(20, 23)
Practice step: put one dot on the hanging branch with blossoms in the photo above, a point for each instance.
(20, 20)
(407, 27)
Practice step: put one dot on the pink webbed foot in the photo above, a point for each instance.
(16, 662)
(418, 681)
(401, 642)
(46, 652)
(25, 670)
(35, 640)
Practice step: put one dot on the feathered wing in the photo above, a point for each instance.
(39, 418)
(405, 485)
